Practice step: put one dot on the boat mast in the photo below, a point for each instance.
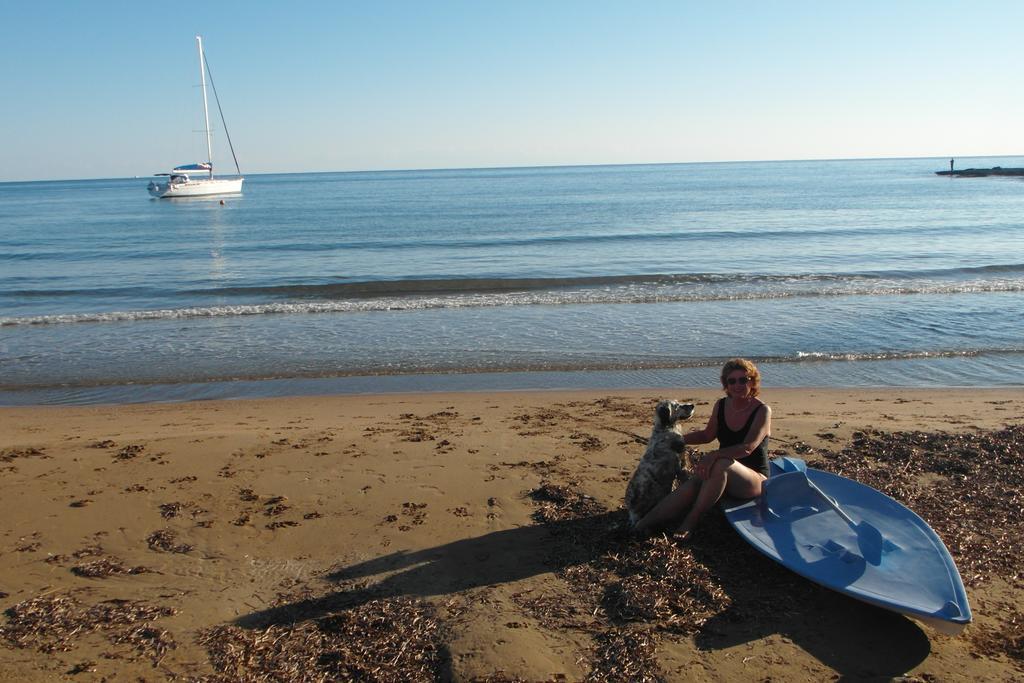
(206, 111)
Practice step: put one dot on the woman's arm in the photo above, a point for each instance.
(706, 435)
(759, 430)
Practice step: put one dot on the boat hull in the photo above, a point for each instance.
(196, 188)
(901, 565)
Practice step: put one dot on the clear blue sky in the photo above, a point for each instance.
(108, 89)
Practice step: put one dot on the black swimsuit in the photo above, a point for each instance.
(758, 460)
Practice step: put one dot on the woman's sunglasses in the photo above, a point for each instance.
(734, 380)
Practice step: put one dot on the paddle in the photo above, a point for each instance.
(869, 538)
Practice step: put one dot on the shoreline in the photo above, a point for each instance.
(253, 521)
(884, 374)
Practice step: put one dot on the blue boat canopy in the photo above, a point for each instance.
(201, 166)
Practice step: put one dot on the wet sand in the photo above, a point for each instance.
(472, 537)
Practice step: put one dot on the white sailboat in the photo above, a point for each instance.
(187, 180)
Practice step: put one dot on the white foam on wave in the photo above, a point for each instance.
(891, 355)
(625, 294)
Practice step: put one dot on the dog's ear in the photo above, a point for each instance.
(664, 414)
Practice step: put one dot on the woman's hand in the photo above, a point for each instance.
(703, 466)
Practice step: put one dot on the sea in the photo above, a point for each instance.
(863, 273)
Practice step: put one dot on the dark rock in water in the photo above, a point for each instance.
(983, 172)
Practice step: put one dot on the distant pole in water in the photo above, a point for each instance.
(950, 168)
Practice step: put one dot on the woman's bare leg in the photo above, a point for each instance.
(739, 480)
(710, 492)
(744, 482)
(669, 508)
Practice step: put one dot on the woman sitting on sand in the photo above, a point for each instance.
(742, 423)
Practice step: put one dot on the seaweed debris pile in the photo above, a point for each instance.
(54, 623)
(395, 639)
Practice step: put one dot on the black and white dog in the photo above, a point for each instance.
(660, 466)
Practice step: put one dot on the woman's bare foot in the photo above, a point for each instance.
(682, 536)
(637, 532)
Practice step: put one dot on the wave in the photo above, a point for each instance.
(98, 254)
(653, 238)
(822, 356)
(413, 287)
(995, 277)
(17, 251)
(451, 294)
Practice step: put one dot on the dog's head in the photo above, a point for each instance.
(669, 412)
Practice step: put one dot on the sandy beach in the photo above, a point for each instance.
(473, 537)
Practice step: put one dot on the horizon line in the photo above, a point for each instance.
(541, 166)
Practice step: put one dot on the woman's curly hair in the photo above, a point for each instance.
(746, 366)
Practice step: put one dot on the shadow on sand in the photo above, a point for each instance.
(764, 600)
(859, 641)
(496, 558)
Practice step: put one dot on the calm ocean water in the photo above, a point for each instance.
(846, 273)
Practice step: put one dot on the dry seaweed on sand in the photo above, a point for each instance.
(396, 639)
(625, 655)
(247, 495)
(653, 581)
(50, 623)
(664, 585)
(104, 567)
(558, 503)
(87, 666)
(968, 486)
(168, 510)
(129, 452)
(88, 551)
(637, 589)
(147, 640)
(1007, 640)
(163, 540)
(9, 454)
(553, 610)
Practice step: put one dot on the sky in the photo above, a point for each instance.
(97, 89)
